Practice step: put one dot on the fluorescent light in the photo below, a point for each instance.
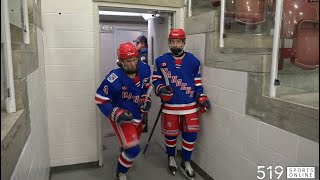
(145, 16)
(116, 13)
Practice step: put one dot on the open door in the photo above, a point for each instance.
(118, 29)
(158, 31)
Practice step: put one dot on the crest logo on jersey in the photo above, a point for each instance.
(169, 124)
(163, 64)
(124, 88)
(105, 89)
(112, 77)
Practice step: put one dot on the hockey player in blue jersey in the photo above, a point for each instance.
(122, 98)
(177, 80)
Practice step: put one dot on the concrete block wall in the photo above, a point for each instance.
(232, 144)
(70, 80)
(33, 163)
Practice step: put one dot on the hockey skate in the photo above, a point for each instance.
(120, 176)
(172, 165)
(187, 170)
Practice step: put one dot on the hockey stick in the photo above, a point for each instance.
(145, 119)
(166, 79)
(145, 114)
(153, 128)
(158, 116)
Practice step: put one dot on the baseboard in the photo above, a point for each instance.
(198, 169)
(73, 167)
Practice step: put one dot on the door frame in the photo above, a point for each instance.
(117, 28)
(178, 22)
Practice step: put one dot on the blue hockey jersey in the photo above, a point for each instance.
(184, 78)
(118, 90)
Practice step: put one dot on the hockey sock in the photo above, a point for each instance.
(126, 158)
(171, 142)
(188, 140)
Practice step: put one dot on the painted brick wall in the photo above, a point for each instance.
(70, 78)
(34, 162)
(69, 66)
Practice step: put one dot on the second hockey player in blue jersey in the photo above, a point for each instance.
(177, 80)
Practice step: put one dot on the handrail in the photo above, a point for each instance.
(11, 100)
(275, 50)
(26, 33)
(189, 8)
(223, 5)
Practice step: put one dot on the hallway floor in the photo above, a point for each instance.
(151, 166)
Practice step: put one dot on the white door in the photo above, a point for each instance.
(158, 29)
(157, 32)
(110, 41)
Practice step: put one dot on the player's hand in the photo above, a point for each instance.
(166, 93)
(145, 104)
(122, 115)
(204, 103)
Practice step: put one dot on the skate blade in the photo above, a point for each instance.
(186, 175)
(172, 172)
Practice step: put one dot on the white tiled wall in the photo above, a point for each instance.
(231, 144)
(34, 161)
(70, 79)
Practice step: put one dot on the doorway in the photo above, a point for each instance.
(111, 30)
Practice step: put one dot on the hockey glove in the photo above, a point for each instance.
(121, 115)
(203, 103)
(166, 93)
(145, 104)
